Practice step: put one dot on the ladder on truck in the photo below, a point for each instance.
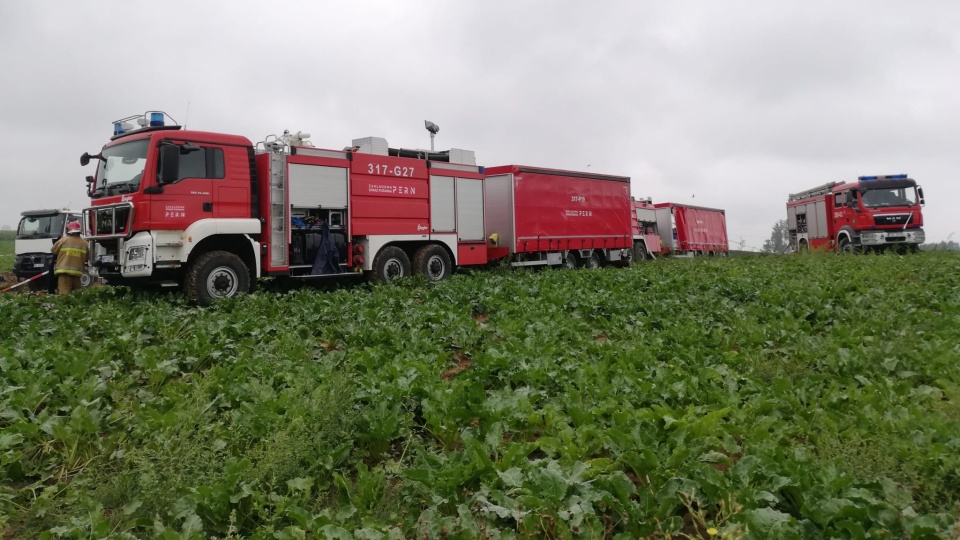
(813, 192)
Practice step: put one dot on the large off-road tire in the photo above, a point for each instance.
(570, 261)
(216, 275)
(626, 258)
(432, 262)
(390, 263)
(640, 252)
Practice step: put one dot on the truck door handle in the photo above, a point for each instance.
(208, 207)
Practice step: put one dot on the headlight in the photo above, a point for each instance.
(136, 252)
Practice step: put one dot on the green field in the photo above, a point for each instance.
(759, 397)
(6, 250)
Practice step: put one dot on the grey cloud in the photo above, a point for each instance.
(737, 102)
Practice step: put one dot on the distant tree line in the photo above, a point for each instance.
(944, 245)
(779, 241)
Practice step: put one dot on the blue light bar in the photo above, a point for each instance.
(887, 177)
(117, 128)
(156, 119)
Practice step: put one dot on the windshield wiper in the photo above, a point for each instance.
(122, 187)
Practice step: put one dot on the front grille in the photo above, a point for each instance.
(891, 219)
(111, 221)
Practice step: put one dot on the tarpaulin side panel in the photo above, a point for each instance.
(556, 210)
(700, 229)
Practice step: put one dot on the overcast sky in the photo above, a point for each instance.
(731, 104)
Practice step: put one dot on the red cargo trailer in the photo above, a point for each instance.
(692, 230)
(553, 217)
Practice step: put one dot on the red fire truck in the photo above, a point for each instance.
(212, 212)
(875, 212)
(646, 238)
(690, 231)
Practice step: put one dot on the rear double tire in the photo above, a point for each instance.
(390, 263)
(216, 275)
(432, 262)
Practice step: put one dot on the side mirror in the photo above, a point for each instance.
(920, 193)
(86, 157)
(186, 148)
(169, 164)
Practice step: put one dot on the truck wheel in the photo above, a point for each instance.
(847, 247)
(216, 275)
(593, 261)
(570, 261)
(432, 262)
(46, 283)
(626, 258)
(639, 252)
(390, 263)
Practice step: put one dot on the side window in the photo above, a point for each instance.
(838, 200)
(207, 163)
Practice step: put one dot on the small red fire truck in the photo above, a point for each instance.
(687, 230)
(212, 212)
(875, 212)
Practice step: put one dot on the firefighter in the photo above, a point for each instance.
(71, 254)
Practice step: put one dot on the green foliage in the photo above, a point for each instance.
(808, 396)
(7, 250)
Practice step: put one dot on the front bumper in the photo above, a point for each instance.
(27, 265)
(892, 237)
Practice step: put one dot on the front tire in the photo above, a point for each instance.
(216, 275)
(640, 252)
(847, 247)
(432, 262)
(390, 263)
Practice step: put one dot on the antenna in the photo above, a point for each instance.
(186, 117)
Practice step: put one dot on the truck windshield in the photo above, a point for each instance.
(121, 168)
(898, 196)
(50, 226)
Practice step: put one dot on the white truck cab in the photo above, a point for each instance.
(36, 234)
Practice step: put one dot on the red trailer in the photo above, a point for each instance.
(553, 217)
(692, 230)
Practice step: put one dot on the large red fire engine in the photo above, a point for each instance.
(211, 212)
(875, 212)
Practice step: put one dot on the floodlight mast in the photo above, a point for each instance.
(433, 129)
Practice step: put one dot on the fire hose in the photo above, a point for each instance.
(10, 288)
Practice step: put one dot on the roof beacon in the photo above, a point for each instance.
(887, 177)
(149, 119)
